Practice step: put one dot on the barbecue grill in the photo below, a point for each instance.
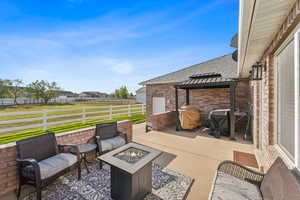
(219, 121)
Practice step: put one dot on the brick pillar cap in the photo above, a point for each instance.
(123, 121)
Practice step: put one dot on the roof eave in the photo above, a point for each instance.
(253, 42)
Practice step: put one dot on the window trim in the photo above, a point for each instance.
(297, 97)
(283, 151)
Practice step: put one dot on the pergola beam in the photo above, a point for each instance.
(187, 96)
(232, 111)
(176, 107)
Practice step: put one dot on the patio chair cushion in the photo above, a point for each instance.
(279, 183)
(112, 143)
(227, 187)
(107, 130)
(51, 166)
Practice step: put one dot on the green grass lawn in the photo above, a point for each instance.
(12, 137)
(96, 118)
(37, 107)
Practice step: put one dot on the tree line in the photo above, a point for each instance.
(122, 92)
(42, 89)
(39, 89)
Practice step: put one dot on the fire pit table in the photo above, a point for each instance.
(131, 171)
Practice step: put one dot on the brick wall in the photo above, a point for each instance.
(269, 151)
(162, 90)
(264, 118)
(163, 120)
(8, 169)
(205, 99)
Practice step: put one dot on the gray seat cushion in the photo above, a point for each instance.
(227, 187)
(51, 166)
(112, 143)
(279, 183)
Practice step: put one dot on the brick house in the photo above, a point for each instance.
(160, 91)
(269, 34)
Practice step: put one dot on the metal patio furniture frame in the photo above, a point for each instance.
(28, 154)
(113, 132)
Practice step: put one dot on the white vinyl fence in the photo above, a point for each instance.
(42, 119)
(10, 101)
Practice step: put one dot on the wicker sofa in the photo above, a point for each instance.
(41, 160)
(236, 182)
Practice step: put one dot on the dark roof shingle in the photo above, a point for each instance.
(202, 80)
(224, 65)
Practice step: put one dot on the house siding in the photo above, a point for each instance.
(205, 99)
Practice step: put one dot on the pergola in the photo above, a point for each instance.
(208, 81)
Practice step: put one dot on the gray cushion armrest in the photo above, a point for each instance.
(69, 148)
(30, 161)
(92, 140)
(98, 142)
(241, 172)
(124, 135)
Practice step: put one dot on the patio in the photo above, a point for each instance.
(192, 156)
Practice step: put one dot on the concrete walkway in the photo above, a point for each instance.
(197, 157)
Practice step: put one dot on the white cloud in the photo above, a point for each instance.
(118, 66)
(123, 68)
(86, 55)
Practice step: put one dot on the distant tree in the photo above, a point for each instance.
(4, 88)
(15, 89)
(131, 94)
(124, 92)
(44, 90)
(117, 93)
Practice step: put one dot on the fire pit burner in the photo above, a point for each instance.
(131, 155)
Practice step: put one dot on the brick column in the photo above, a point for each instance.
(125, 126)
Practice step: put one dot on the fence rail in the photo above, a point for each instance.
(24, 100)
(46, 118)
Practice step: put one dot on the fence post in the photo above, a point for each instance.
(110, 112)
(143, 110)
(83, 115)
(129, 110)
(44, 120)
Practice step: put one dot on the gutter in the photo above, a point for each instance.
(240, 67)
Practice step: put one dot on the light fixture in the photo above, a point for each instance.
(256, 72)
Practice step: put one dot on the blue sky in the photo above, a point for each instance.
(101, 45)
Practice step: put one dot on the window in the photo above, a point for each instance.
(286, 100)
(159, 105)
(297, 98)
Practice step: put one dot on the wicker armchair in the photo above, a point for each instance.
(108, 138)
(241, 172)
(41, 160)
(236, 182)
